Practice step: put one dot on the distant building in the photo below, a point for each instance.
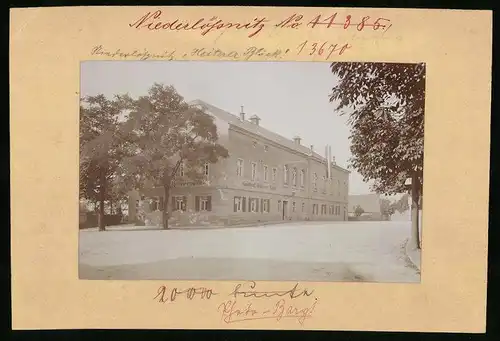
(266, 177)
(370, 203)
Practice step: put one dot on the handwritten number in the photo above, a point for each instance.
(361, 25)
(313, 49)
(377, 24)
(320, 52)
(347, 22)
(332, 20)
(301, 46)
(314, 22)
(319, 48)
(332, 50)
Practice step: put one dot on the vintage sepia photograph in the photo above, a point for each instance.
(282, 171)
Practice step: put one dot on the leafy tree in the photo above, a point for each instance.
(385, 104)
(168, 133)
(401, 205)
(387, 208)
(101, 149)
(358, 211)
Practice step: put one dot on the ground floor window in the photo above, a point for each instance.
(179, 203)
(337, 210)
(293, 206)
(279, 206)
(315, 208)
(331, 210)
(323, 209)
(265, 205)
(203, 203)
(239, 204)
(303, 207)
(253, 205)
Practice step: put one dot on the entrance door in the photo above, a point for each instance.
(285, 209)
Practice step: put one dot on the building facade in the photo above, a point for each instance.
(266, 177)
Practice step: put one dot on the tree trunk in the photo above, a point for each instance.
(102, 225)
(166, 192)
(415, 199)
(102, 197)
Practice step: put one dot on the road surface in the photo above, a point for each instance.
(310, 251)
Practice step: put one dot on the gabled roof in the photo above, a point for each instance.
(370, 203)
(257, 129)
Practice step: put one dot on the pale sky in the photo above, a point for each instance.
(291, 98)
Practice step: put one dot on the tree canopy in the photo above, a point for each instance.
(102, 147)
(168, 134)
(385, 104)
(128, 143)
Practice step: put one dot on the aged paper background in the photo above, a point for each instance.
(47, 46)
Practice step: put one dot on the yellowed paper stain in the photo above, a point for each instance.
(47, 46)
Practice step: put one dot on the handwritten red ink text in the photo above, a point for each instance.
(153, 21)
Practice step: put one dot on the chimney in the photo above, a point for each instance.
(255, 119)
(330, 162)
(296, 140)
(242, 114)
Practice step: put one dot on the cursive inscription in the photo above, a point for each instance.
(231, 312)
(154, 21)
(157, 20)
(247, 289)
(164, 296)
(141, 54)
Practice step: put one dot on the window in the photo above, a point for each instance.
(206, 169)
(254, 205)
(302, 177)
(266, 148)
(239, 168)
(285, 174)
(274, 174)
(294, 177)
(203, 203)
(279, 206)
(265, 205)
(238, 204)
(303, 207)
(255, 144)
(254, 170)
(315, 182)
(181, 169)
(265, 173)
(323, 209)
(293, 206)
(179, 203)
(315, 208)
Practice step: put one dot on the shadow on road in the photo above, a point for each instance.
(226, 269)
